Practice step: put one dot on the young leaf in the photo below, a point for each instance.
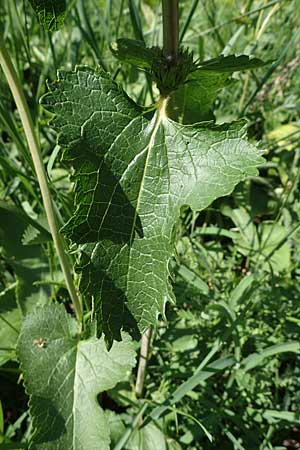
(231, 63)
(51, 13)
(133, 52)
(193, 101)
(63, 377)
(132, 177)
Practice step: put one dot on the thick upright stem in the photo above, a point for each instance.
(170, 11)
(33, 144)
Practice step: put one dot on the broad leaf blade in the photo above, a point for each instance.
(132, 177)
(193, 101)
(63, 377)
(50, 13)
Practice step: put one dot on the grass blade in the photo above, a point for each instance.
(189, 385)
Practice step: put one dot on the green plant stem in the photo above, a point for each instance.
(170, 12)
(33, 144)
(132, 428)
(144, 355)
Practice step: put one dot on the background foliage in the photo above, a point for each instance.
(236, 268)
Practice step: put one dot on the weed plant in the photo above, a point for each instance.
(236, 267)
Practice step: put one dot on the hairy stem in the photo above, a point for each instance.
(144, 353)
(170, 12)
(34, 147)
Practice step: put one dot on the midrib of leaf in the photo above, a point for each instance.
(159, 116)
(107, 153)
(157, 120)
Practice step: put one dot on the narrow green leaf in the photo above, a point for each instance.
(231, 63)
(193, 279)
(63, 377)
(136, 20)
(255, 359)
(189, 385)
(203, 373)
(132, 176)
(216, 231)
(241, 291)
(124, 437)
(236, 443)
(274, 416)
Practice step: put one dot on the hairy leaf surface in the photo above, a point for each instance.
(231, 63)
(133, 175)
(51, 13)
(193, 101)
(133, 52)
(63, 377)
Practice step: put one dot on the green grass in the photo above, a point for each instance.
(237, 264)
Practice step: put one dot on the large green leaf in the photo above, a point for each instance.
(51, 13)
(63, 377)
(193, 101)
(133, 175)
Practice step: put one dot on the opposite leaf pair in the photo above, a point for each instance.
(193, 85)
